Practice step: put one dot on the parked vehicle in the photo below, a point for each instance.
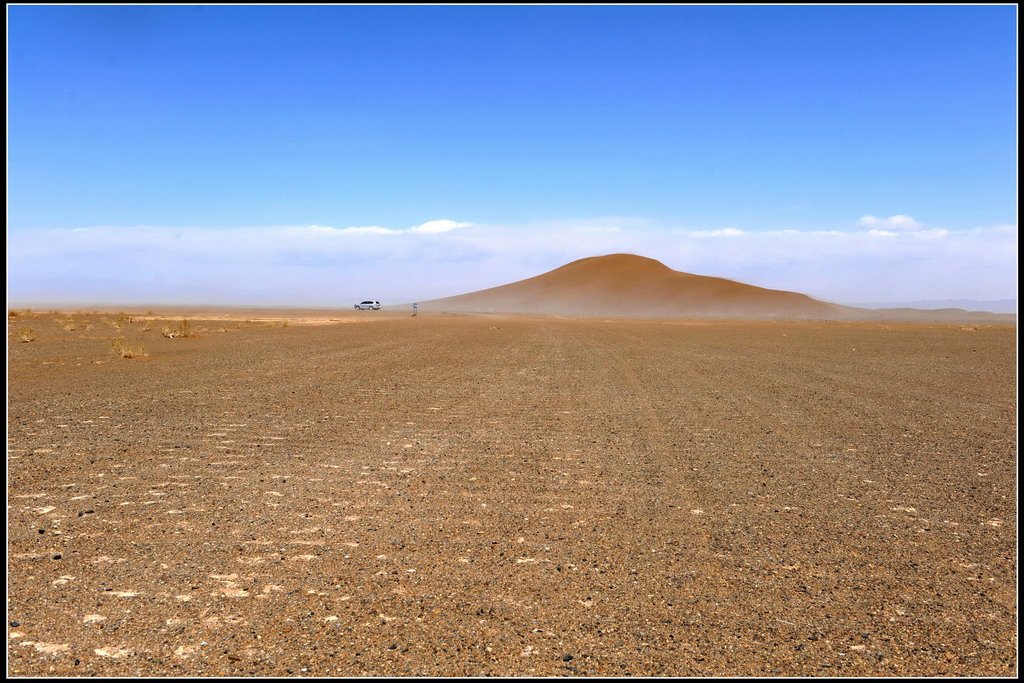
(368, 306)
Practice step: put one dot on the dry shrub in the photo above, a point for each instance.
(26, 334)
(184, 329)
(123, 349)
(147, 327)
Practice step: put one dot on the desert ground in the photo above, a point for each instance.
(376, 494)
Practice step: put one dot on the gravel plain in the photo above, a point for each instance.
(443, 495)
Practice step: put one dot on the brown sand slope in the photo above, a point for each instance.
(625, 284)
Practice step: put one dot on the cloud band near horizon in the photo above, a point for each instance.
(877, 260)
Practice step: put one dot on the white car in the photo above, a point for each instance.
(368, 306)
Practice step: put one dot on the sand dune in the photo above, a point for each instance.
(630, 285)
(625, 284)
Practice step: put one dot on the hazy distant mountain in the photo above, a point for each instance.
(998, 306)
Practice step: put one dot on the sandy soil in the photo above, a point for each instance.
(461, 495)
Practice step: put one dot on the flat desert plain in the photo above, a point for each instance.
(441, 495)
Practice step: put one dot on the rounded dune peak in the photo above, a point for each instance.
(618, 261)
(613, 266)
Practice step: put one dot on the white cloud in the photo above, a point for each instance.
(369, 230)
(899, 222)
(724, 232)
(437, 226)
(933, 233)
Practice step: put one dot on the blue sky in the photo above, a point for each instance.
(853, 153)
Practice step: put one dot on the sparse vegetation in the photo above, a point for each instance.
(123, 349)
(26, 334)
